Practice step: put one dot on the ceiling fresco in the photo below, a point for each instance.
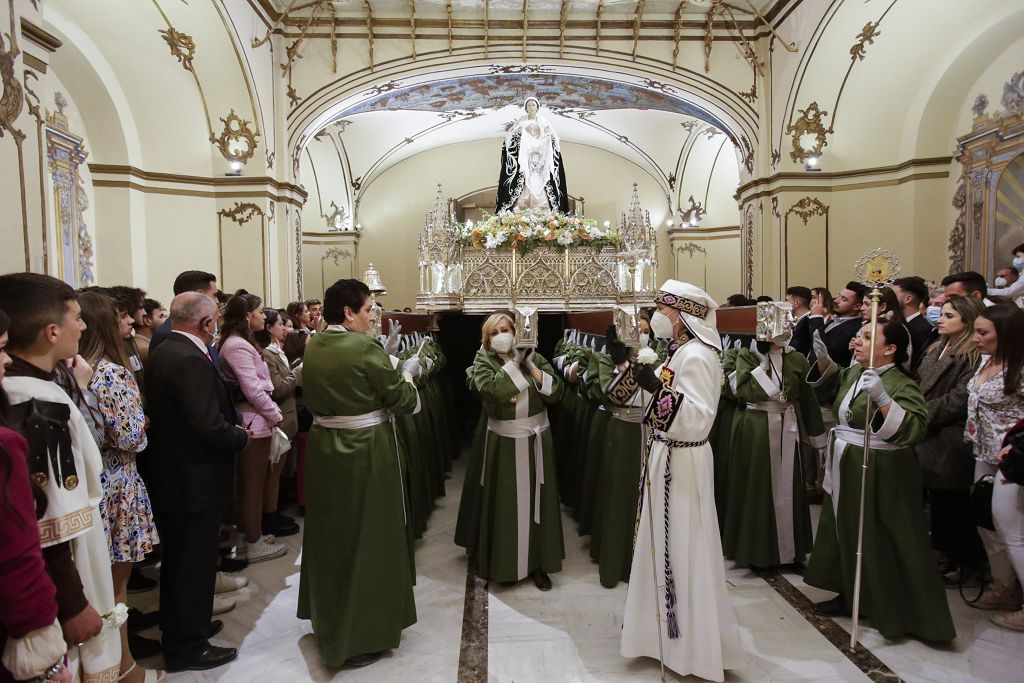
(556, 91)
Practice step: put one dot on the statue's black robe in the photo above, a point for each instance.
(512, 179)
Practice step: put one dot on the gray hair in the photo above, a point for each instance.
(188, 308)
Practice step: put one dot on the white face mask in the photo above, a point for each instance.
(661, 326)
(645, 339)
(999, 282)
(503, 342)
(932, 314)
(1018, 262)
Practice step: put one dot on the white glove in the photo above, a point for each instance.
(558, 361)
(871, 382)
(738, 344)
(528, 359)
(726, 341)
(517, 357)
(412, 366)
(394, 335)
(429, 363)
(820, 350)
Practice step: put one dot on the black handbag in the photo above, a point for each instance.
(981, 502)
(1012, 465)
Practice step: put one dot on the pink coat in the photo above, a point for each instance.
(242, 363)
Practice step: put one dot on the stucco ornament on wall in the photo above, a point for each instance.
(808, 133)
(1013, 92)
(237, 142)
(182, 46)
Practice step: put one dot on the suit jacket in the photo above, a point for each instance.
(801, 340)
(837, 336)
(920, 336)
(285, 381)
(161, 333)
(192, 438)
(947, 461)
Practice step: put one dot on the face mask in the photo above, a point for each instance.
(502, 343)
(1018, 262)
(1000, 282)
(661, 326)
(932, 314)
(645, 339)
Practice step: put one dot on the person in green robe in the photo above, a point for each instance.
(518, 531)
(722, 430)
(901, 589)
(768, 519)
(356, 579)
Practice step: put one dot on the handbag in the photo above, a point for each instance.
(279, 445)
(981, 502)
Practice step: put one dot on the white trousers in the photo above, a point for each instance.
(1005, 545)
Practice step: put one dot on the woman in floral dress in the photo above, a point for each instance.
(125, 508)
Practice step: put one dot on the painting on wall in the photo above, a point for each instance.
(65, 153)
(1009, 212)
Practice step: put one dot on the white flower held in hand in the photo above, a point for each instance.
(647, 356)
(116, 617)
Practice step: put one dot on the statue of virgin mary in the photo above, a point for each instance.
(532, 175)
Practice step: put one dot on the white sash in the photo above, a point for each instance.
(783, 436)
(521, 429)
(839, 438)
(633, 414)
(363, 421)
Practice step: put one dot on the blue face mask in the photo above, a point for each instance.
(1018, 262)
(932, 314)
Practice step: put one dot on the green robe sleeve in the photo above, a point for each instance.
(397, 395)
(801, 394)
(550, 389)
(752, 384)
(907, 421)
(497, 381)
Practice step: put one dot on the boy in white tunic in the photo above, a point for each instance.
(698, 635)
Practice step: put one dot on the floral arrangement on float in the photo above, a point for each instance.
(525, 230)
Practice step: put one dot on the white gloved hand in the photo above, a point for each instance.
(820, 350)
(558, 361)
(738, 344)
(528, 359)
(726, 341)
(517, 357)
(394, 336)
(412, 366)
(871, 382)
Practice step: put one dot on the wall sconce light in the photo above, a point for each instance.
(359, 227)
(811, 164)
(236, 167)
(670, 223)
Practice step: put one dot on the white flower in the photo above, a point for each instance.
(565, 239)
(647, 356)
(116, 617)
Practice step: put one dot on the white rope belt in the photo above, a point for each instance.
(839, 438)
(524, 428)
(634, 415)
(783, 437)
(352, 421)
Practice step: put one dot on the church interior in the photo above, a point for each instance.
(742, 146)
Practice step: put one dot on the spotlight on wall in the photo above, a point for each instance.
(236, 168)
(607, 224)
(694, 222)
(811, 164)
(670, 222)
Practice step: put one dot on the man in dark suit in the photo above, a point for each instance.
(188, 281)
(800, 299)
(911, 293)
(192, 444)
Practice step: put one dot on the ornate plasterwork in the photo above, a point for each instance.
(298, 252)
(809, 123)
(748, 251)
(182, 46)
(65, 154)
(236, 130)
(694, 212)
(691, 248)
(980, 105)
(807, 207)
(241, 212)
(866, 37)
(957, 245)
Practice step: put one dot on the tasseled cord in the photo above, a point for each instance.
(670, 584)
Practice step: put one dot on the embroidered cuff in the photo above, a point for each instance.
(547, 384)
(516, 375)
(770, 388)
(622, 388)
(663, 408)
(892, 422)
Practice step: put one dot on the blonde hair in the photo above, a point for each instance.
(961, 347)
(491, 324)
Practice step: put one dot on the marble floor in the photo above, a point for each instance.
(572, 633)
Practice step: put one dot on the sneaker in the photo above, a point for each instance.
(999, 597)
(222, 604)
(1013, 621)
(260, 550)
(226, 584)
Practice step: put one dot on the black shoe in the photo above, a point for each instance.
(140, 583)
(276, 524)
(507, 584)
(542, 580)
(215, 627)
(210, 658)
(836, 607)
(231, 564)
(143, 648)
(364, 660)
(140, 621)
